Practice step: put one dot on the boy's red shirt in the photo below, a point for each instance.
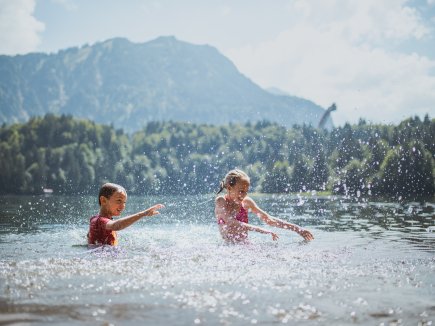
(98, 235)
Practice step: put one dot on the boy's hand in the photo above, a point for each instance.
(153, 210)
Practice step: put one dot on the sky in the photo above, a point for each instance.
(374, 58)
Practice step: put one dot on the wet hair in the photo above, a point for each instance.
(232, 178)
(108, 189)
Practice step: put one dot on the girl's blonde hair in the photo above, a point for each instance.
(232, 178)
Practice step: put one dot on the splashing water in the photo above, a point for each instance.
(367, 265)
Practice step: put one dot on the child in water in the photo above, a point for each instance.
(112, 199)
(231, 211)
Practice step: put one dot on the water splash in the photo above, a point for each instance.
(177, 270)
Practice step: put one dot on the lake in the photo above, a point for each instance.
(371, 263)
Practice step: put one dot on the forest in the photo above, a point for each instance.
(72, 156)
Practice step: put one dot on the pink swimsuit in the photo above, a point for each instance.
(242, 216)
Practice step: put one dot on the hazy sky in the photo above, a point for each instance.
(374, 58)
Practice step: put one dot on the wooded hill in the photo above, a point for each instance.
(74, 156)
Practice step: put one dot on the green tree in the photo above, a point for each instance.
(301, 177)
(407, 171)
(320, 172)
(277, 180)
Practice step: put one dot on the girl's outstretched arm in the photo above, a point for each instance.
(273, 221)
(227, 218)
(258, 229)
(124, 222)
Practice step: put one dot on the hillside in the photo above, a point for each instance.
(128, 84)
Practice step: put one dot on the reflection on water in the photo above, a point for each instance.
(370, 264)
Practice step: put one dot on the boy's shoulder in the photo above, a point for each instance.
(93, 217)
(101, 218)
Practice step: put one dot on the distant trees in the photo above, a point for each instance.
(76, 156)
(278, 179)
(407, 171)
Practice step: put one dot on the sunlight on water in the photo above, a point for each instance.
(367, 266)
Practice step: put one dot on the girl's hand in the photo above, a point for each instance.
(274, 236)
(306, 234)
(153, 210)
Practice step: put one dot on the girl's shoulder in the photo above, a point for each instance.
(248, 202)
(248, 199)
(219, 199)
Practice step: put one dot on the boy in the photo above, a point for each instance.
(112, 199)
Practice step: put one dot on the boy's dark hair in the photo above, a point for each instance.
(231, 179)
(108, 189)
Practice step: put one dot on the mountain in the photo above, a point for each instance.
(128, 84)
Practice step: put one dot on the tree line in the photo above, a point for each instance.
(73, 156)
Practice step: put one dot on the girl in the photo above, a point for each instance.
(231, 211)
(112, 199)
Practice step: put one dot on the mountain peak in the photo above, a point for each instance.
(128, 84)
(165, 39)
(119, 41)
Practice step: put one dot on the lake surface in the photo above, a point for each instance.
(371, 263)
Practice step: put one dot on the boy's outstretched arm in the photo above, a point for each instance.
(124, 222)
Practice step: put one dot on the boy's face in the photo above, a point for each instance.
(115, 204)
(239, 191)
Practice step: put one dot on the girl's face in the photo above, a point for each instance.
(115, 204)
(239, 191)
